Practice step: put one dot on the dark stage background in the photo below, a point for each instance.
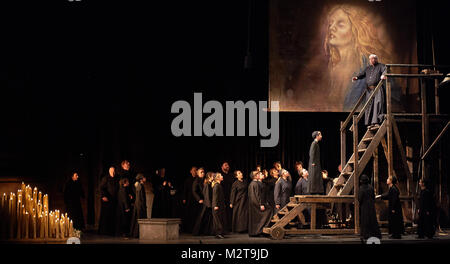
(87, 84)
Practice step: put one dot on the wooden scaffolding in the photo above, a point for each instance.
(291, 218)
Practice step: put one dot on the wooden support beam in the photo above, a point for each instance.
(355, 172)
(436, 140)
(375, 171)
(385, 149)
(389, 157)
(403, 156)
(425, 124)
(415, 75)
(313, 216)
(343, 147)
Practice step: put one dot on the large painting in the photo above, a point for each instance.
(317, 46)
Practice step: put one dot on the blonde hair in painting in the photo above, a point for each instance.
(364, 36)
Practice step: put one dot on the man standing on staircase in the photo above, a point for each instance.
(375, 111)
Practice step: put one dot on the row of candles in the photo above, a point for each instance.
(26, 215)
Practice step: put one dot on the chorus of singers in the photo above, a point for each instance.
(218, 203)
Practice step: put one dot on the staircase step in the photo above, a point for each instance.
(292, 205)
(374, 128)
(347, 173)
(362, 150)
(274, 220)
(367, 139)
(283, 212)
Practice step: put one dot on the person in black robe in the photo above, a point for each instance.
(269, 186)
(140, 205)
(427, 208)
(375, 111)
(368, 218)
(73, 192)
(395, 215)
(204, 223)
(197, 193)
(283, 190)
(315, 179)
(218, 207)
(109, 187)
(228, 180)
(162, 201)
(123, 209)
(189, 202)
(239, 204)
(259, 211)
(125, 172)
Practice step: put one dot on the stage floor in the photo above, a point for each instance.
(92, 238)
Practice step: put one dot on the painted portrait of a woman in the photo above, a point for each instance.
(346, 36)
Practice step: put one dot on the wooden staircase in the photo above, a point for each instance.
(366, 147)
(286, 220)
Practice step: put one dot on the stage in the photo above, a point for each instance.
(92, 238)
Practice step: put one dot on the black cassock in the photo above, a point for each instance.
(269, 189)
(73, 192)
(283, 190)
(219, 216)
(139, 210)
(395, 215)
(190, 207)
(162, 201)
(228, 180)
(239, 199)
(127, 174)
(375, 111)
(426, 224)
(123, 217)
(109, 187)
(204, 223)
(368, 217)
(315, 180)
(257, 219)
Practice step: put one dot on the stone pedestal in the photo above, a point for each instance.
(159, 228)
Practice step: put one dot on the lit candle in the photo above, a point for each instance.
(71, 229)
(22, 188)
(41, 226)
(52, 220)
(46, 202)
(3, 200)
(61, 227)
(45, 224)
(40, 196)
(39, 208)
(57, 228)
(34, 226)
(27, 224)
(10, 215)
(13, 215)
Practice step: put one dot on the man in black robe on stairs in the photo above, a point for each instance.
(374, 113)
